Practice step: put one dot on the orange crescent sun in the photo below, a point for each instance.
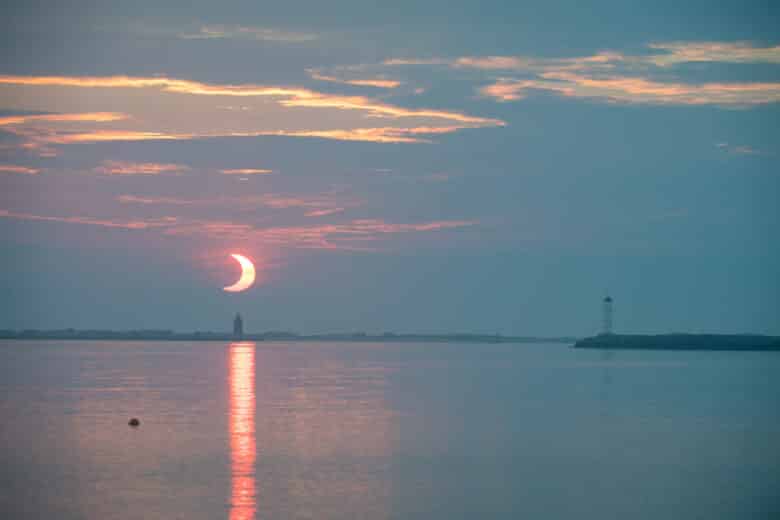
(247, 275)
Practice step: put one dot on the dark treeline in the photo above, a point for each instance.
(169, 335)
(682, 342)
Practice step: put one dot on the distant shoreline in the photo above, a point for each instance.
(166, 335)
(734, 342)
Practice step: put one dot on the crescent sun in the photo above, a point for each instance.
(247, 275)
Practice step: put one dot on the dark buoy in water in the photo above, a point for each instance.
(134, 422)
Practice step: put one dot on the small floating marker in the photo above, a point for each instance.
(134, 422)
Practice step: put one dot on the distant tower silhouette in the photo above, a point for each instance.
(238, 326)
(606, 310)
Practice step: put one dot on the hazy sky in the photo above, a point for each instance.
(408, 166)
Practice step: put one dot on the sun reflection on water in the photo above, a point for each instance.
(243, 451)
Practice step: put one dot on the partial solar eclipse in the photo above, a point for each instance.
(247, 275)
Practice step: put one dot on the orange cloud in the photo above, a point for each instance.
(39, 139)
(637, 90)
(109, 135)
(382, 110)
(377, 135)
(374, 135)
(96, 117)
(292, 96)
(10, 168)
(131, 168)
(506, 89)
(171, 111)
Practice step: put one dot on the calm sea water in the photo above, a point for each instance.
(385, 431)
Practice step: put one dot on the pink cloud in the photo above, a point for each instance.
(11, 168)
(347, 235)
(327, 236)
(132, 168)
(132, 199)
(123, 224)
(246, 171)
(394, 62)
(316, 205)
(323, 212)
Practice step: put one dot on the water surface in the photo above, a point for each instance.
(385, 431)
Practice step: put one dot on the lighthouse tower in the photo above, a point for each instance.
(238, 326)
(606, 315)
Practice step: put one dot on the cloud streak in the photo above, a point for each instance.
(24, 170)
(162, 108)
(738, 149)
(122, 224)
(366, 82)
(133, 168)
(94, 117)
(239, 32)
(38, 139)
(246, 171)
(316, 205)
(323, 212)
(599, 61)
(637, 90)
(346, 236)
(617, 77)
(350, 236)
(673, 53)
(289, 96)
(723, 52)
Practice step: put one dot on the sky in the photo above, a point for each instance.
(440, 166)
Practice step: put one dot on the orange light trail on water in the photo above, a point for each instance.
(243, 450)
